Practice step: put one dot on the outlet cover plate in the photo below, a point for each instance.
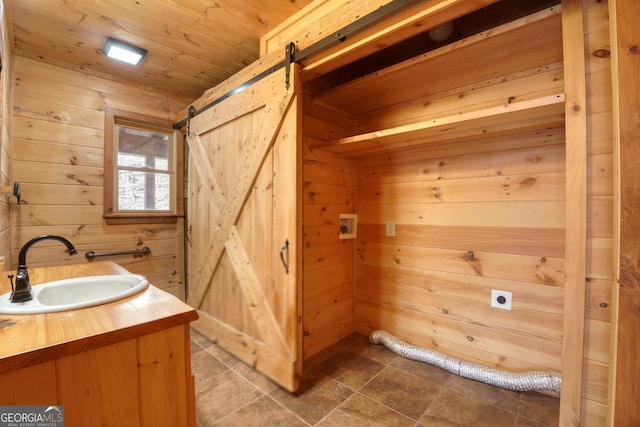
(501, 299)
(390, 229)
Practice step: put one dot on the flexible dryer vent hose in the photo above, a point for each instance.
(519, 381)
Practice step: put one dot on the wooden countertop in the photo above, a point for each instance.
(30, 339)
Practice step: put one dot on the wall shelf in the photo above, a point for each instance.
(514, 118)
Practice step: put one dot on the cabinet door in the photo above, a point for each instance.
(100, 387)
(244, 225)
(19, 387)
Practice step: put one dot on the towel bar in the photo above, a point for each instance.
(136, 253)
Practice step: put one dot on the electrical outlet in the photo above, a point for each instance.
(391, 228)
(501, 299)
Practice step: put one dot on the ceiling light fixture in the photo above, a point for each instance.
(122, 51)
(442, 32)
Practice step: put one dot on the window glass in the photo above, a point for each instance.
(141, 169)
(144, 177)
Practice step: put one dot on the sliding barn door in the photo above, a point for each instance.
(244, 226)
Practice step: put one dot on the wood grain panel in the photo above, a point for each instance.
(600, 189)
(49, 113)
(594, 414)
(327, 119)
(17, 387)
(429, 165)
(328, 130)
(318, 340)
(163, 371)
(595, 383)
(77, 88)
(48, 152)
(327, 194)
(456, 286)
(321, 235)
(530, 214)
(42, 119)
(340, 310)
(81, 234)
(505, 89)
(599, 91)
(534, 269)
(596, 334)
(541, 187)
(328, 190)
(466, 341)
(330, 295)
(54, 173)
(522, 241)
(600, 175)
(46, 215)
(319, 257)
(61, 195)
(601, 133)
(599, 299)
(416, 298)
(600, 216)
(482, 145)
(88, 380)
(316, 280)
(328, 173)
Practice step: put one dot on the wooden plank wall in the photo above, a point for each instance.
(5, 102)
(57, 156)
(469, 218)
(328, 191)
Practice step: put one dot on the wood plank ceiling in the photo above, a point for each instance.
(193, 44)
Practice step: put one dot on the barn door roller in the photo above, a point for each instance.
(290, 57)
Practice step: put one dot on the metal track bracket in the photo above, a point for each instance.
(290, 57)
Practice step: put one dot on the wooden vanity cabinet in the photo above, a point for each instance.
(145, 381)
(124, 363)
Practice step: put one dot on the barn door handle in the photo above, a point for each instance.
(285, 263)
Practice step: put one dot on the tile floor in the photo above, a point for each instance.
(355, 383)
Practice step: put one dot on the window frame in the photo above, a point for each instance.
(113, 118)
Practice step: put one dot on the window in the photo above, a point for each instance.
(141, 161)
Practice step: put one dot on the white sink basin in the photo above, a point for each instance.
(71, 294)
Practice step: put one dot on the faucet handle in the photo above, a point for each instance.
(10, 276)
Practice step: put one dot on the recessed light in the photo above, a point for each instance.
(122, 51)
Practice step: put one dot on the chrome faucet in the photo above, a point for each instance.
(22, 291)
